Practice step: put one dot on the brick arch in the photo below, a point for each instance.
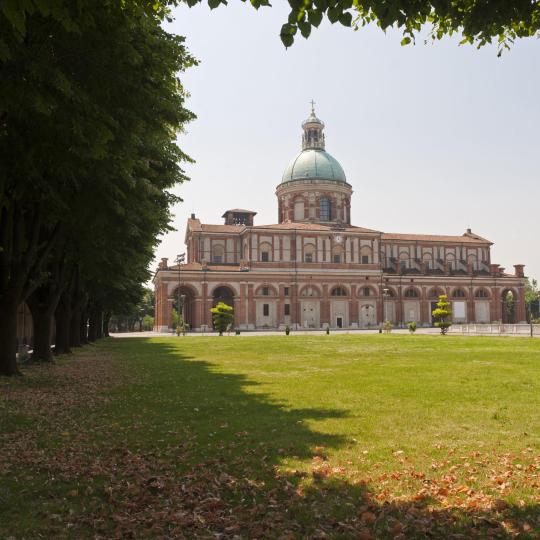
(480, 290)
(374, 291)
(233, 288)
(345, 288)
(411, 289)
(455, 290)
(392, 292)
(435, 292)
(316, 289)
(258, 290)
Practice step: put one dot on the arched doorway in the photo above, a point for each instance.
(223, 294)
(184, 304)
(508, 306)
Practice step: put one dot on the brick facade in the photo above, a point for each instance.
(314, 269)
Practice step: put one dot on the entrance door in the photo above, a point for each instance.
(367, 314)
(433, 307)
(339, 322)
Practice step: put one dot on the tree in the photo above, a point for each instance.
(222, 317)
(532, 296)
(90, 105)
(442, 313)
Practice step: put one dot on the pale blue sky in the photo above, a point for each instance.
(433, 138)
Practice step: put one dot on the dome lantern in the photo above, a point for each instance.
(313, 136)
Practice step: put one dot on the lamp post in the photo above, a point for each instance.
(386, 294)
(180, 259)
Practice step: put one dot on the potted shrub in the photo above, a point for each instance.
(327, 330)
(287, 330)
(387, 327)
(412, 327)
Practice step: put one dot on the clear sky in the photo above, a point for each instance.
(434, 138)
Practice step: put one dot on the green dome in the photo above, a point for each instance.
(314, 164)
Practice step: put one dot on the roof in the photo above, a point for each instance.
(210, 267)
(239, 211)
(196, 226)
(468, 238)
(314, 164)
(291, 225)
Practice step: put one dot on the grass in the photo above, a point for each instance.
(347, 436)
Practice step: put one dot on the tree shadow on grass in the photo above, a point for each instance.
(191, 452)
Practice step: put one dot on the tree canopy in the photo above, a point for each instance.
(90, 107)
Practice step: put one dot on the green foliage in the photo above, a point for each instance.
(222, 317)
(387, 327)
(442, 313)
(532, 297)
(287, 330)
(478, 23)
(148, 322)
(412, 327)
(90, 107)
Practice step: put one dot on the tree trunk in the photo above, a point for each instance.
(8, 339)
(84, 327)
(63, 320)
(42, 335)
(75, 328)
(95, 330)
(106, 321)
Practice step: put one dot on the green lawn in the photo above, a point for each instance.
(341, 436)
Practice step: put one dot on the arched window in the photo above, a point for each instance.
(309, 253)
(365, 255)
(338, 291)
(411, 293)
(337, 254)
(299, 210)
(265, 252)
(481, 293)
(309, 291)
(365, 291)
(218, 254)
(435, 293)
(459, 293)
(325, 209)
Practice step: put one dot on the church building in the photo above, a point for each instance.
(313, 269)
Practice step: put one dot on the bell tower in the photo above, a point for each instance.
(313, 136)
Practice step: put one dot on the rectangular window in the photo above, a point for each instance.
(365, 259)
(264, 256)
(287, 309)
(337, 258)
(265, 291)
(266, 310)
(217, 258)
(286, 291)
(308, 257)
(366, 291)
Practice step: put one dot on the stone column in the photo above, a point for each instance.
(520, 315)
(252, 315)
(325, 306)
(353, 308)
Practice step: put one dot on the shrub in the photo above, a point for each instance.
(327, 330)
(222, 317)
(443, 314)
(287, 330)
(387, 327)
(412, 327)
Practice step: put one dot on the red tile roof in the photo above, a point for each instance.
(210, 267)
(288, 225)
(466, 238)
